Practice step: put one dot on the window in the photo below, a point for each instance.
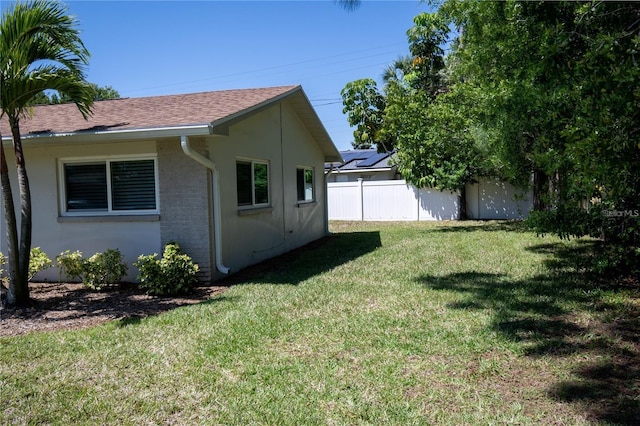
(109, 186)
(304, 179)
(252, 183)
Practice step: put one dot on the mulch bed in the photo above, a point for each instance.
(68, 306)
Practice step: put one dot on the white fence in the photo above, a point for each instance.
(492, 199)
(395, 200)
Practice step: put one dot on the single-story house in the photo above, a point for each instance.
(235, 176)
(365, 164)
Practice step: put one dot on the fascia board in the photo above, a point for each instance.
(115, 135)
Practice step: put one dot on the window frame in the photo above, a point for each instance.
(106, 160)
(253, 204)
(304, 170)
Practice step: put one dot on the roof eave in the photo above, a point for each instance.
(119, 134)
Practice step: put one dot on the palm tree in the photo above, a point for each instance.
(40, 49)
(395, 72)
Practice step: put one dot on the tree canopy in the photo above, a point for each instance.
(561, 96)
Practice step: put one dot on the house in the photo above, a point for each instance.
(235, 176)
(365, 164)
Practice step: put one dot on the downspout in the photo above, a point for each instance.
(326, 200)
(210, 165)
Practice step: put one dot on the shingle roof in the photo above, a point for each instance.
(148, 112)
(219, 108)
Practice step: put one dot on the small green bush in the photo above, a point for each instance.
(97, 272)
(39, 261)
(70, 264)
(175, 273)
(104, 269)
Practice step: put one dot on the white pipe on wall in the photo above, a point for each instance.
(217, 228)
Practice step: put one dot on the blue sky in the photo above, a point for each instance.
(145, 48)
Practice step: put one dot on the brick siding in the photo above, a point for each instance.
(184, 203)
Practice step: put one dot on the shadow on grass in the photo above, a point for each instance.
(482, 226)
(312, 259)
(136, 318)
(544, 314)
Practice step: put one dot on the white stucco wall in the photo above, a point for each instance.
(250, 236)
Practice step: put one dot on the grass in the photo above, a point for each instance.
(381, 323)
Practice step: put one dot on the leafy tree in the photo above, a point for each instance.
(426, 40)
(365, 109)
(101, 93)
(40, 49)
(557, 84)
(396, 72)
(366, 106)
(437, 147)
(431, 119)
(562, 79)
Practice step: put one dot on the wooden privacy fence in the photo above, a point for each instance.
(395, 200)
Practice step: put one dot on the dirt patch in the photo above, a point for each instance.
(68, 306)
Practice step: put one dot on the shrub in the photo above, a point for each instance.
(99, 271)
(104, 269)
(175, 273)
(70, 264)
(39, 261)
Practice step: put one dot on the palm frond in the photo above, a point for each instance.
(41, 49)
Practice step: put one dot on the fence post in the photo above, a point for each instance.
(361, 202)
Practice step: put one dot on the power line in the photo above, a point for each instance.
(285, 68)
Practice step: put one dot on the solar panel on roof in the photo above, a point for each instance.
(373, 160)
(348, 156)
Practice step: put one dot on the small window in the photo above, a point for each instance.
(110, 186)
(304, 178)
(252, 179)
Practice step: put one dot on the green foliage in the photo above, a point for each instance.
(175, 273)
(426, 40)
(104, 269)
(559, 94)
(70, 264)
(97, 272)
(100, 93)
(364, 105)
(437, 148)
(38, 261)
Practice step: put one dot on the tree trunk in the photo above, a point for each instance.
(24, 248)
(15, 295)
(463, 203)
(540, 186)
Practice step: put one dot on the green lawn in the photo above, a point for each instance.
(381, 323)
